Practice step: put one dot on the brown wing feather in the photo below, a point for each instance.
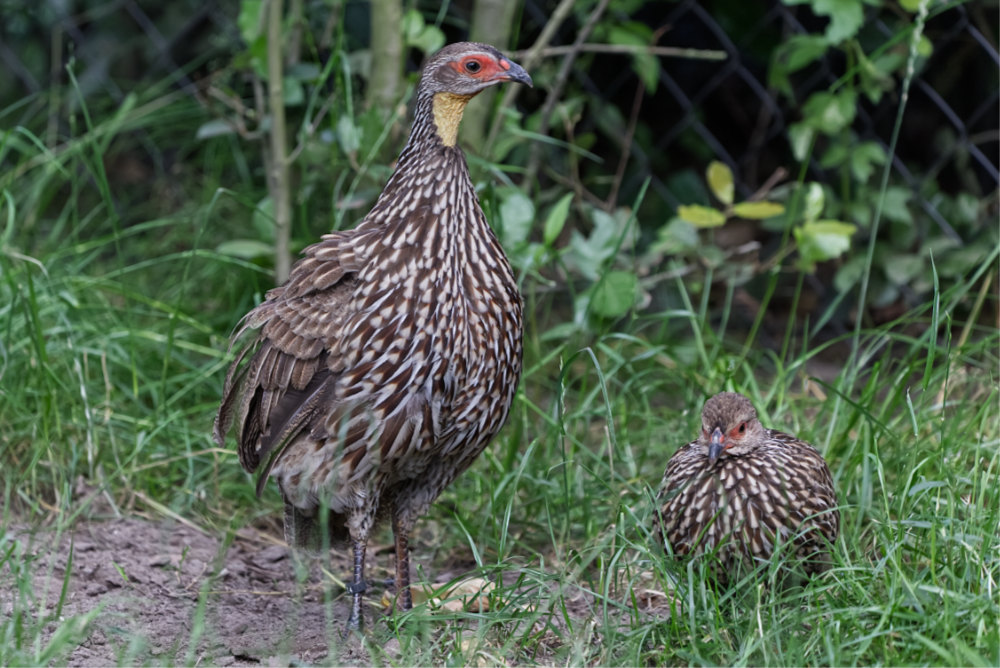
(286, 385)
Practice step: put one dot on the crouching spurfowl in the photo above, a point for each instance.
(389, 359)
(741, 489)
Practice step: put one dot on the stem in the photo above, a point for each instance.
(387, 57)
(278, 182)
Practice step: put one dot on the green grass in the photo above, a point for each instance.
(114, 317)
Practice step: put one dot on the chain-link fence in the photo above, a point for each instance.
(949, 139)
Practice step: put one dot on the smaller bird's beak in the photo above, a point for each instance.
(514, 73)
(715, 446)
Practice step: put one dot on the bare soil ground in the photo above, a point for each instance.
(148, 579)
(259, 603)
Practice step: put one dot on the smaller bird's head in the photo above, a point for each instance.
(455, 74)
(729, 425)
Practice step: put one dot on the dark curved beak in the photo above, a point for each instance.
(515, 73)
(715, 446)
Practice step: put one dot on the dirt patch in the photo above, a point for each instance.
(169, 593)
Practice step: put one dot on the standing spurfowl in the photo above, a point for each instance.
(389, 360)
(739, 489)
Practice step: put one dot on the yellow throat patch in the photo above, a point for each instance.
(448, 110)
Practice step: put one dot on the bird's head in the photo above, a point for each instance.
(729, 425)
(456, 73)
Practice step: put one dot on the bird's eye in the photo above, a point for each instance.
(473, 66)
(743, 427)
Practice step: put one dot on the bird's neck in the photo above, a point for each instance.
(447, 110)
(431, 151)
(436, 119)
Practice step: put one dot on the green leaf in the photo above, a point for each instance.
(305, 72)
(846, 16)
(249, 21)
(701, 216)
(588, 254)
(901, 268)
(215, 128)
(614, 294)
(556, 219)
(413, 23)
(894, 205)
(262, 219)
(872, 81)
(965, 209)
(800, 136)
(348, 134)
(517, 213)
(758, 210)
(849, 274)
(822, 240)
(815, 200)
(427, 38)
(864, 157)
(830, 113)
(645, 65)
(247, 249)
(291, 93)
(797, 52)
(925, 47)
(720, 180)
(257, 51)
(677, 236)
(836, 155)
(961, 261)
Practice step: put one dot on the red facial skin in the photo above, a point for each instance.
(719, 442)
(482, 68)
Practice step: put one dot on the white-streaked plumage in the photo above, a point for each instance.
(740, 489)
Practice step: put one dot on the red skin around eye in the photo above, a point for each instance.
(488, 69)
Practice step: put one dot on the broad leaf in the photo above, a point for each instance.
(675, 237)
(517, 213)
(830, 113)
(758, 210)
(556, 219)
(427, 38)
(720, 180)
(247, 249)
(249, 21)
(348, 134)
(701, 216)
(797, 52)
(864, 157)
(846, 16)
(815, 200)
(215, 128)
(822, 240)
(801, 137)
(614, 294)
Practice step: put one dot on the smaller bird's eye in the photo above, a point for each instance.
(743, 427)
(472, 66)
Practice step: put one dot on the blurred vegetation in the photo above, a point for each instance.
(801, 110)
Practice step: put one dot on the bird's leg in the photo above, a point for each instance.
(357, 588)
(401, 532)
